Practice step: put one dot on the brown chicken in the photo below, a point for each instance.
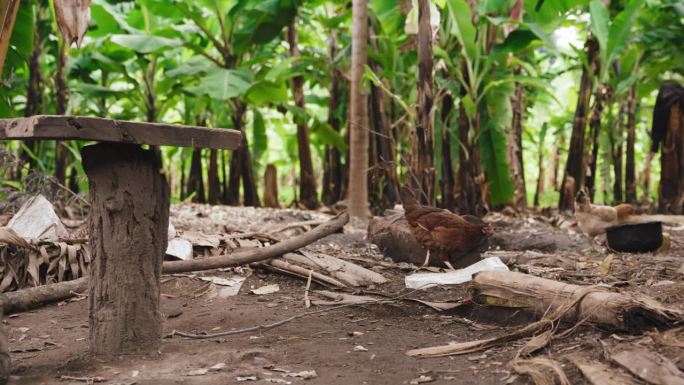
(594, 219)
(443, 232)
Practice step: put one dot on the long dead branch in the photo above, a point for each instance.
(256, 255)
(28, 298)
(20, 300)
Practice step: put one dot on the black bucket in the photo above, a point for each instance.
(635, 237)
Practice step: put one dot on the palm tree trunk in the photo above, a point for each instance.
(555, 161)
(271, 186)
(630, 174)
(421, 162)
(374, 169)
(61, 96)
(448, 181)
(384, 182)
(213, 177)
(8, 9)
(573, 179)
(332, 164)
(540, 179)
(195, 183)
(358, 183)
(595, 130)
(467, 188)
(515, 157)
(241, 165)
(307, 180)
(618, 153)
(34, 90)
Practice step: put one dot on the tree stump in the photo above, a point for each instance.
(129, 219)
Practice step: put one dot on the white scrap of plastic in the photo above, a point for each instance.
(425, 280)
(180, 248)
(37, 220)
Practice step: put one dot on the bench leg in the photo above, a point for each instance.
(129, 219)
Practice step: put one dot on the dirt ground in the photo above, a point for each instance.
(353, 345)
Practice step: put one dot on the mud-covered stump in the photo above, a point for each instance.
(129, 219)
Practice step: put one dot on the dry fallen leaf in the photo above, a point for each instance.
(268, 289)
(421, 380)
(73, 18)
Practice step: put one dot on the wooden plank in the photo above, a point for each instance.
(118, 131)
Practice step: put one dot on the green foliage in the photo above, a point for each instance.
(196, 62)
(21, 42)
(145, 43)
(462, 27)
(612, 36)
(496, 115)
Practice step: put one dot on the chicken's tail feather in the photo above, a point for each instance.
(408, 200)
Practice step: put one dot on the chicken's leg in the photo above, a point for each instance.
(449, 265)
(427, 260)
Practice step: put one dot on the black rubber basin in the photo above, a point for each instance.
(635, 237)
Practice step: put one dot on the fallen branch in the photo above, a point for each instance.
(298, 271)
(346, 272)
(27, 298)
(256, 255)
(289, 226)
(21, 300)
(88, 380)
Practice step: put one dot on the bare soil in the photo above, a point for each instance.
(354, 345)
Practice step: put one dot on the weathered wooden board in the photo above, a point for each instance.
(119, 131)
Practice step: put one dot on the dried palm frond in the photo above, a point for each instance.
(73, 17)
(25, 265)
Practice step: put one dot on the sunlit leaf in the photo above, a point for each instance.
(461, 16)
(223, 84)
(620, 28)
(268, 92)
(145, 43)
(328, 135)
(600, 25)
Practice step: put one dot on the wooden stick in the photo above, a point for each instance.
(307, 301)
(299, 271)
(256, 255)
(25, 299)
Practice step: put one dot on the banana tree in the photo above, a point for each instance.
(613, 36)
(486, 82)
